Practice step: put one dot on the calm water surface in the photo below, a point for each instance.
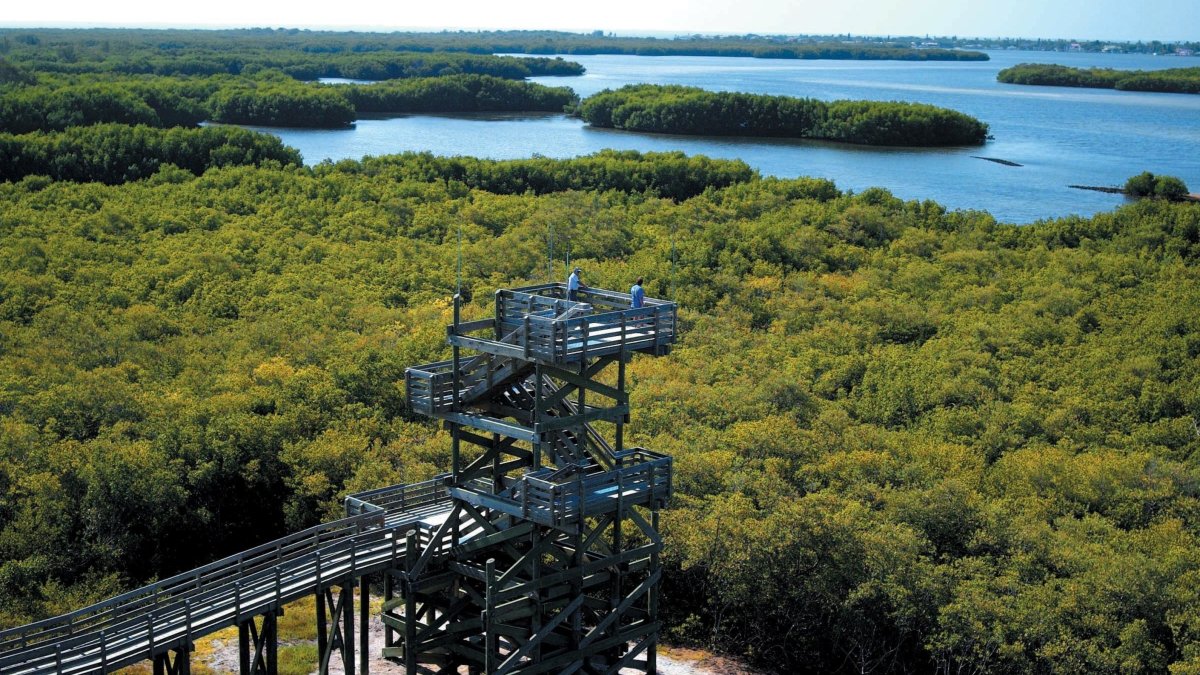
(1061, 136)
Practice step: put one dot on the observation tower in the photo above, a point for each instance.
(547, 559)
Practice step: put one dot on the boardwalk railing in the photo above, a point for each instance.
(399, 498)
(174, 612)
(139, 624)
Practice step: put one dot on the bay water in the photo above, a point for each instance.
(1060, 136)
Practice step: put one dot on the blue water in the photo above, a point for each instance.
(1061, 136)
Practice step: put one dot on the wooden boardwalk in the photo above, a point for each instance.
(152, 621)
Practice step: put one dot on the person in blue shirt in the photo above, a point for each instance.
(637, 294)
(574, 284)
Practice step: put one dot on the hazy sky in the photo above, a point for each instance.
(1080, 19)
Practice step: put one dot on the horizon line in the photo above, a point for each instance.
(618, 33)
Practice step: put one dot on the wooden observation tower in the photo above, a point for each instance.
(547, 559)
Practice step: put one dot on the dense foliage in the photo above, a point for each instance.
(691, 110)
(1146, 184)
(458, 93)
(61, 48)
(282, 105)
(1174, 80)
(116, 153)
(268, 99)
(673, 175)
(906, 440)
(60, 105)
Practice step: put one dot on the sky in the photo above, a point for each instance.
(1131, 20)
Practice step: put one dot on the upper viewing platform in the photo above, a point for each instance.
(539, 325)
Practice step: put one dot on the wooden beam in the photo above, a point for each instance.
(612, 414)
(491, 424)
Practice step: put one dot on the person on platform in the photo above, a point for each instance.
(574, 285)
(637, 296)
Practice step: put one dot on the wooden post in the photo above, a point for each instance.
(490, 654)
(535, 574)
(538, 412)
(497, 478)
(322, 631)
(525, 325)
(410, 603)
(499, 328)
(620, 439)
(581, 435)
(652, 602)
(457, 364)
(364, 625)
(244, 647)
(577, 580)
(272, 638)
(389, 592)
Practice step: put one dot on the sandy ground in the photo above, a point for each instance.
(671, 661)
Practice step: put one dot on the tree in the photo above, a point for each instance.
(1141, 185)
(1170, 188)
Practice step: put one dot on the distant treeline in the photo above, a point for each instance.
(271, 101)
(690, 110)
(297, 64)
(1172, 80)
(665, 174)
(68, 46)
(118, 153)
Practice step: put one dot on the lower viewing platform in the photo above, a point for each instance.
(562, 498)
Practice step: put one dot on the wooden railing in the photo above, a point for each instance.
(430, 388)
(150, 620)
(173, 612)
(608, 326)
(562, 499)
(399, 498)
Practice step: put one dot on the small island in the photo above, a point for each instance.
(1171, 80)
(1146, 185)
(674, 109)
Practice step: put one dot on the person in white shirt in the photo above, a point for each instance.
(574, 285)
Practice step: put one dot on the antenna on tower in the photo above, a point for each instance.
(672, 262)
